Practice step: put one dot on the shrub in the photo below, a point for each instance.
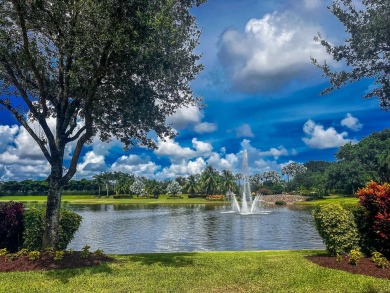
(216, 197)
(59, 255)
(85, 251)
(337, 228)
(34, 228)
(264, 191)
(34, 255)
(280, 202)
(11, 225)
(3, 251)
(375, 198)
(366, 243)
(355, 256)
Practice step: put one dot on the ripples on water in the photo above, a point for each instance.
(146, 228)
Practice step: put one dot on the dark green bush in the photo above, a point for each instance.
(367, 243)
(337, 228)
(280, 202)
(11, 225)
(34, 220)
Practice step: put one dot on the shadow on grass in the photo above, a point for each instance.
(65, 275)
(165, 259)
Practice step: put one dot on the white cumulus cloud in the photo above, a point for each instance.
(351, 122)
(135, 165)
(272, 52)
(205, 127)
(244, 131)
(320, 138)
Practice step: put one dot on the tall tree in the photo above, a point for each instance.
(227, 181)
(209, 180)
(113, 68)
(192, 184)
(292, 169)
(366, 51)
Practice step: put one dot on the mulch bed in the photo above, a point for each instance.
(365, 266)
(46, 262)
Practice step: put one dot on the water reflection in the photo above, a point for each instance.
(169, 228)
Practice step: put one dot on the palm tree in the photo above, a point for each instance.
(191, 185)
(209, 180)
(227, 181)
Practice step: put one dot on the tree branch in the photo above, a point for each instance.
(76, 136)
(26, 47)
(20, 119)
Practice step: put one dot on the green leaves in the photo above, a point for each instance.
(365, 51)
(337, 228)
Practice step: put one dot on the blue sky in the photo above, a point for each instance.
(260, 93)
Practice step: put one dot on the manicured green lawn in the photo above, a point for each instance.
(330, 199)
(267, 271)
(90, 199)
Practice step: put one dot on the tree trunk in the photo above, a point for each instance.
(50, 237)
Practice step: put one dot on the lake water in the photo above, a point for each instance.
(171, 228)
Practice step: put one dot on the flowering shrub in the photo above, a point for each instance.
(375, 198)
(216, 197)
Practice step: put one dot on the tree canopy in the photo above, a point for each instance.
(366, 51)
(112, 68)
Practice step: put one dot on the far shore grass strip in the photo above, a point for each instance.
(163, 199)
(91, 199)
(262, 271)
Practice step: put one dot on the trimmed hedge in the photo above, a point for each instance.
(337, 228)
(34, 225)
(11, 225)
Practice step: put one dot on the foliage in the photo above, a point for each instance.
(138, 188)
(23, 251)
(365, 51)
(85, 251)
(271, 177)
(3, 251)
(99, 252)
(337, 228)
(355, 256)
(34, 255)
(347, 176)
(59, 255)
(191, 185)
(375, 198)
(209, 180)
(216, 197)
(293, 169)
(107, 68)
(173, 188)
(11, 225)
(265, 191)
(34, 227)
(280, 203)
(380, 260)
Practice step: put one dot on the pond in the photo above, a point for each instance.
(123, 229)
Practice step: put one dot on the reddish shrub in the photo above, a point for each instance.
(375, 198)
(265, 191)
(11, 225)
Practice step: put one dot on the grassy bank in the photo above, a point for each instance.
(90, 199)
(269, 271)
(328, 200)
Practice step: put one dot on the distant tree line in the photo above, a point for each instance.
(356, 165)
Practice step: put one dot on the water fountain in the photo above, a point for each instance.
(247, 205)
